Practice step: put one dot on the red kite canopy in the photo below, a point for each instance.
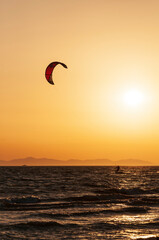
(49, 71)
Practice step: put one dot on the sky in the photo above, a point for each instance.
(105, 105)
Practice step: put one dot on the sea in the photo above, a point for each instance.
(85, 202)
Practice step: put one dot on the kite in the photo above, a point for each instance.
(49, 71)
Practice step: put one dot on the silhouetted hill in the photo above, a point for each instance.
(133, 162)
(30, 161)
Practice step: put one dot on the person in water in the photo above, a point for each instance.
(117, 169)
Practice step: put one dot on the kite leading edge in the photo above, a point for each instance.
(49, 71)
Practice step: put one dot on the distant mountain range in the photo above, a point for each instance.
(30, 161)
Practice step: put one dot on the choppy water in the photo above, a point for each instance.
(79, 203)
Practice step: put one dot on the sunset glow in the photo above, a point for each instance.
(105, 105)
(79, 119)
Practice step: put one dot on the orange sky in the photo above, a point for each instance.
(110, 48)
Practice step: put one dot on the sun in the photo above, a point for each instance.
(133, 98)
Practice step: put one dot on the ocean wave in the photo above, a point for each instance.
(104, 225)
(66, 215)
(35, 203)
(122, 211)
(83, 198)
(42, 225)
(50, 215)
(147, 238)
(126, 210)
(5, 206)
(98, 197)
(145, 201)
(23, 199)
(120, 226)
(126, 191)
(147, 225)
(132, 191)
(19, 203)
(135, 210)
(97, 225)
